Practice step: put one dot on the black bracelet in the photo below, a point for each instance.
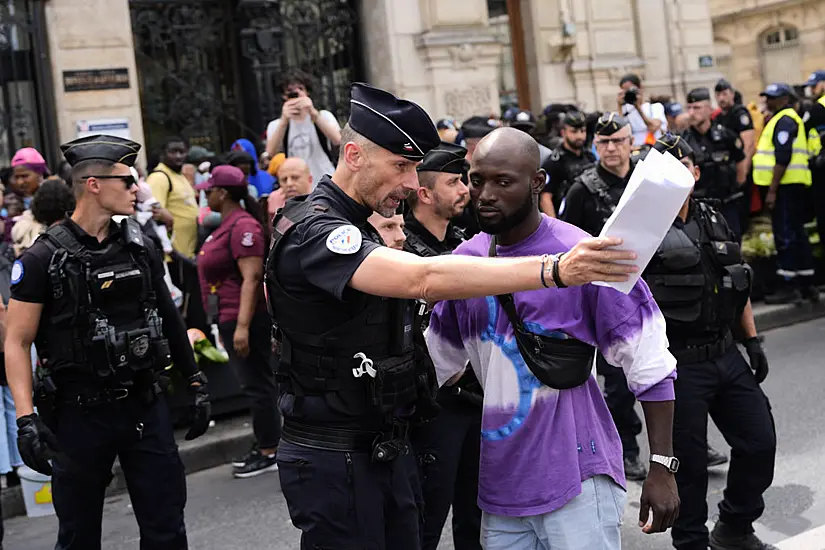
(556, 276)
(543, 267)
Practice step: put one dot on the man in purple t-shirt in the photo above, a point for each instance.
(551, 472)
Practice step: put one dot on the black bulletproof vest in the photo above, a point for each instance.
(718, 170)
(605, 204)
(95, 292)
(698, 278)
(323, 364)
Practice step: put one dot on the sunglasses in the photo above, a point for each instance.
(615, 141)
(128, 180)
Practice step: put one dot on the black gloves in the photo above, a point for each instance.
(759, 362)
(37, 443)
(203, 407)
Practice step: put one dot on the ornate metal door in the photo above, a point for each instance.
(24, 102)
(210, 69)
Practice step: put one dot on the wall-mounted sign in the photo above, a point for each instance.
(95, 79)
(118, 127)
(705, 61)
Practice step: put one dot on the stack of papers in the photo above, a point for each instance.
(657, 189)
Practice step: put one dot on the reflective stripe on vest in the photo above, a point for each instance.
(765, 158)
(814, 139)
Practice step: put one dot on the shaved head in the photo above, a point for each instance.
(294, 177)
(512, 144)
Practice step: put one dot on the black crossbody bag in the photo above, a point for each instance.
(559, 364)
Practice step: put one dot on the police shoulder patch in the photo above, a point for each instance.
(782, 137)
(17, 272)
(344, 240)
(745, 120)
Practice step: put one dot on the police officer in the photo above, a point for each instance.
(702, 286)
(815, 126)
(780, 170)
(351, 381)
(447, 447)
(735, 116)
(99, 393)
(566, 162)
(720, 157)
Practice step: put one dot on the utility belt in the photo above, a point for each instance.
(384, 446)
(118, 355)
(698, 353)
(86, 398)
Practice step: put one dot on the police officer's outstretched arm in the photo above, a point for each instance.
(174, 330)
(36, 442)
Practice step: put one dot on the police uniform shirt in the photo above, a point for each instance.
(714, 156)
(580, 207)
(815, 118)
(784, 135)
(30, 282)
(737, 120)
(450, 242)
(563, 167)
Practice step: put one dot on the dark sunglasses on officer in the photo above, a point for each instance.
(127, 179)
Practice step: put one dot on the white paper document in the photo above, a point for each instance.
(655, 193)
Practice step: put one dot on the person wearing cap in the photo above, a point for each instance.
(706, 314)
(99, 395)
(551, 472)
(781, 171)
(815, 125)
(720, 156)
(448, 446)
(230, 271)
(29, 171)
(349, 376)
(735, 116)
(525, 121)
(473, 129)
(566, 163)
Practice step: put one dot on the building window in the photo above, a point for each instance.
(781, 56)
(781, 37)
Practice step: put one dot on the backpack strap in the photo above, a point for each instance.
(166, 175)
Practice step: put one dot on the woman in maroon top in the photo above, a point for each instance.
(230, 269)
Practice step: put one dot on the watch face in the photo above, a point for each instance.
(674, 465)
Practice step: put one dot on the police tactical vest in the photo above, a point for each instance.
(718, 171)
(103, 318)
(765, 158)
(814, 139)
(605, 205)
(365, 365)
(698, 277)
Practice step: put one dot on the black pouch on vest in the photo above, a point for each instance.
(559, 364)
(734, 290)
(394, 384)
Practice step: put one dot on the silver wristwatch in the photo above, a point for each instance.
(669, 462)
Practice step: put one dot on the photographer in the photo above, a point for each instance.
(647, 120)
(303, 131)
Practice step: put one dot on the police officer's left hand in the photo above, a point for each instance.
(203, 406)
(758, 359)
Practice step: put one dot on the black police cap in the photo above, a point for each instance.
(101, 147)
(674, 145)
(722, 85)
(397, 125)
(447, 157)
(610, 123)
(698, 94)
(478, 126)
(575, 119)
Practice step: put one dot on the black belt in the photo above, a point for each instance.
(705, 352)
(328, 439)
(91, 398)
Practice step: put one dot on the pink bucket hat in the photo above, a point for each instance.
(28, 157)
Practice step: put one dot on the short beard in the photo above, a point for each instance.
(508, 222)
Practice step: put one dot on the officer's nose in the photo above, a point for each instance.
(410, 181)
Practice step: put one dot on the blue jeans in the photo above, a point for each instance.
(591, 521)
(9, 455)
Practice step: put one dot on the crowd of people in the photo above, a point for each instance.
(212, 216)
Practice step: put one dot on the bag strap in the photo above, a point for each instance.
(506, 300)
(167, 178)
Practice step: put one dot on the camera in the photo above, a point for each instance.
(292, 95)
(631, 95)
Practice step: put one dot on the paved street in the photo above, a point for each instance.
(229, 514)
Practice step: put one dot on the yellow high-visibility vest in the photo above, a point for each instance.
(765, 158)
(814, 140)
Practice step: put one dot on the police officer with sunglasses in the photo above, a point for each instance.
(90, 296)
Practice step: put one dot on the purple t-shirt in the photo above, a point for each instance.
(538, 444)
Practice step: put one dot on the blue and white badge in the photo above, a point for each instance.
(17, 272)
(345, 240)
(782, 137)
(745, 120)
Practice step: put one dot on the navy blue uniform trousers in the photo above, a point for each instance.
(345, 501)
(90, 439)
(725, 389)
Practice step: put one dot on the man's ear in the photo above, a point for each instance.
(354, 156)
(539, 181)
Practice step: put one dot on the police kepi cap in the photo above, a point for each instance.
(722, 85)
(574, 119)
(397, 125)
(478, 126)
(698, 94)
(777, 90)
(523, 119)
(447, 157)
(101, 147)
(815, 78)
(224, 175)
(674, 145)
(610, 123)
